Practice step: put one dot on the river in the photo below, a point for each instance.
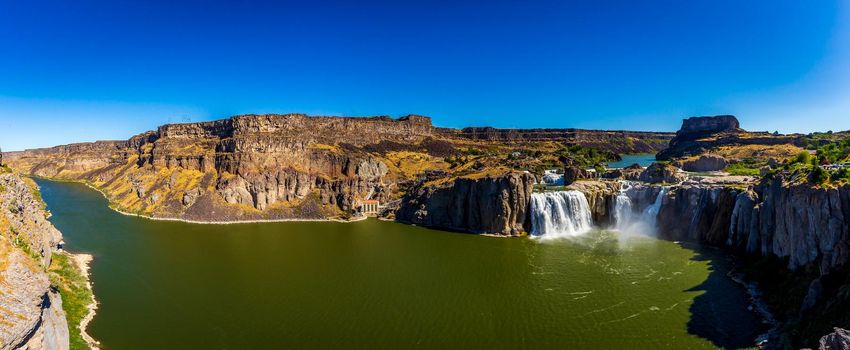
(383, 285)
(642, 159)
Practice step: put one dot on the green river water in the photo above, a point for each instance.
(382, 285)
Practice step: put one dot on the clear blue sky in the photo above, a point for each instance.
(81, 70)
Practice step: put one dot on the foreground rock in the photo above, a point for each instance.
(31, 314)
(494, 204)
(838, 340)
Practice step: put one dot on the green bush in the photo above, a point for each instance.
(76, 295)
(742, 169)
(818, 176)
(842, 175)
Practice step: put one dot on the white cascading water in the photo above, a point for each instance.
(627, 223)
(552, 178)
(560, 214)
(623, 208)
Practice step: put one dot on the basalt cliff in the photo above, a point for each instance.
(31, 313)
(293, 166)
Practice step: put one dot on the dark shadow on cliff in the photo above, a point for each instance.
(721, 314)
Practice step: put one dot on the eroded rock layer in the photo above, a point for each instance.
(293, 166)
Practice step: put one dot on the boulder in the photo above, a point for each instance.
(573, 174)
(662, 173)
(837, 340)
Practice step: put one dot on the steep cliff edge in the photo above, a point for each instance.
(31, 313)
(495, 204)
(792, 239)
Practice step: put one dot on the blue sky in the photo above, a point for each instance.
(74, 71)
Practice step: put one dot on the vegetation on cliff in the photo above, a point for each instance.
(76, 294)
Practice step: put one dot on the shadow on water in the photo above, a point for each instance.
(721, 314)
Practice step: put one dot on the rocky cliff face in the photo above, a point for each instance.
(248, 167)
(490, 204)
(805, 227)
(291, 166)
(701, 134)
(31, 315)
(610, 140)
(708, 125)
(805, 224)
(704, 163)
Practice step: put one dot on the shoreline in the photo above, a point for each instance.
(256, 221)
(82, 261)
(758, 305)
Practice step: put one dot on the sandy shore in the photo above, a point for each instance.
(82, 261)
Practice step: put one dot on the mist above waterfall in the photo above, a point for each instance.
(560, 214)
(629, 219)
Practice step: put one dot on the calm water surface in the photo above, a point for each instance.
(380, 285)
(629, 159)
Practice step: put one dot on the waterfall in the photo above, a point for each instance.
(625, 220)
(623, 208)
(650, 215)
(552, 178)
(560, 214)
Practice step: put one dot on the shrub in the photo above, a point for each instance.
(818, 176)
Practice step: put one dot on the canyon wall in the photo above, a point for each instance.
(490, 204)
(290, 166)
(617, 141)
(31, 314)
(805, 224)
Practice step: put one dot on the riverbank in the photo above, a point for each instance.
(114, 208)
(69, 274)
(82, 261)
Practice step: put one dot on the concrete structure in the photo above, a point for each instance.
(370, 207)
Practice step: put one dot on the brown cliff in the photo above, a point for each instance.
(699, 135)
(489, 204)
(291, 166)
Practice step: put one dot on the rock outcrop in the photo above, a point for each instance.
(620, 142)
(837, 340)
(803, 223)
(491, 204)
(661, 173)
(705, 163)
(708, 125)
(31, 314)
(701, 134)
